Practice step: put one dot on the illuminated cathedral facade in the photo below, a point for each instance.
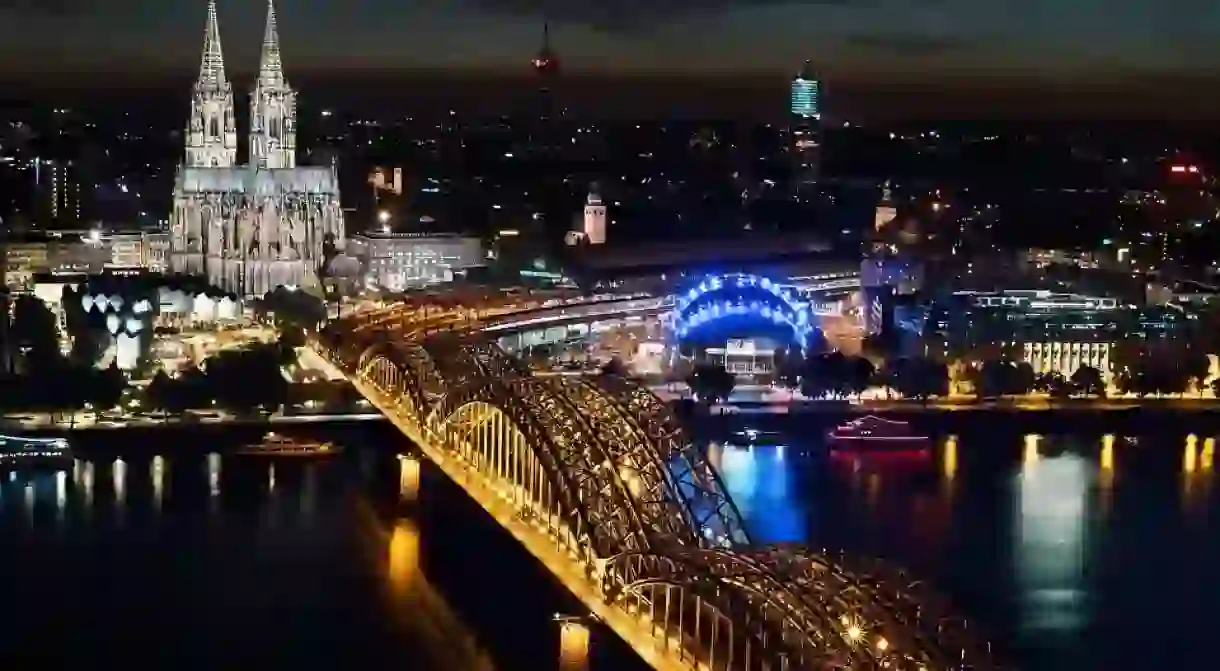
(250, 228)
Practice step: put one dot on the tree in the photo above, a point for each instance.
(711, 383)
(789, 363)
(1022, 378)
(159, 392)
(246, 380)
(36, 335)
(1196, 367)
(860, 374)
(996, 378)
(919, 378)
(1089, 381)
(87, 343)
(107, 389)
(616, 367)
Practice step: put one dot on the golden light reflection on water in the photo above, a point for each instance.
(1030, 455)
(1105, 476)
(1197, 466)
(949, 458)
(573, 646)
(404, 571)
(424, 608)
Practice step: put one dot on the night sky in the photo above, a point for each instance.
(849, 40)
(846, 37)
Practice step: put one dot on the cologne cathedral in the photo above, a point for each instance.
(250, 228)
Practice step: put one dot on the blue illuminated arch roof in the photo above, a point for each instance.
(698, 305)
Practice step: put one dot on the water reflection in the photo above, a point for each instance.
(157, 473)
(1197, 466)
(1052, 539)
(949, 458)
(1049, 552)
(763, 487)
(299, 561)
(118, 474)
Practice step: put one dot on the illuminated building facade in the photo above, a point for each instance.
(595, 219)
(1053, 332)
(752, 316)
(399, 261)
(249, 229)
(806, 125)
(58, 189)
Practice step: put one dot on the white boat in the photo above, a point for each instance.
(16, 451)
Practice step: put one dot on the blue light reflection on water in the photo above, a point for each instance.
(760, 484)
(1066, 549)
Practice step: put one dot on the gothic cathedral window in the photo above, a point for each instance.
(274, 125)
(214, 128)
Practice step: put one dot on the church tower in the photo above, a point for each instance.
(595, 219)
(273, 124)
(211, 134)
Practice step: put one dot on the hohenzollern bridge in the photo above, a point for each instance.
(599, 481)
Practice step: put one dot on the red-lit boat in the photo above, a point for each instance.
(872, 434)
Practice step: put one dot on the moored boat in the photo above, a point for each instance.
(276, 446)
(877, 434)
(26, 451)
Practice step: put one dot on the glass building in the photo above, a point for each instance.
(805, 96)
(805, 108)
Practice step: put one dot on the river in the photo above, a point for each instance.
(1072, 552)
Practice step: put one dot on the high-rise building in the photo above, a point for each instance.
(58, 187)
(806, 125)
(249, 229)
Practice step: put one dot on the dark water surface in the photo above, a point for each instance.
(1074, 552)
(164, 549)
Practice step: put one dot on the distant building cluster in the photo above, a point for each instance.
(78, 251)
(128, 306)
(399, 261)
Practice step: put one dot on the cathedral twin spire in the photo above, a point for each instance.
(212, 134)
(212, 69)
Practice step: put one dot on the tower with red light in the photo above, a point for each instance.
(546, 61)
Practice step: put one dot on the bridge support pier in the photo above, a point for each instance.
(574, 642)
(408, 478)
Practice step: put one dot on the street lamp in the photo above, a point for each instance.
(384, 217)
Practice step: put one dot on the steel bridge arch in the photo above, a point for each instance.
(815, 601)
(693, 479)
(593, 499)
(741, 590)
